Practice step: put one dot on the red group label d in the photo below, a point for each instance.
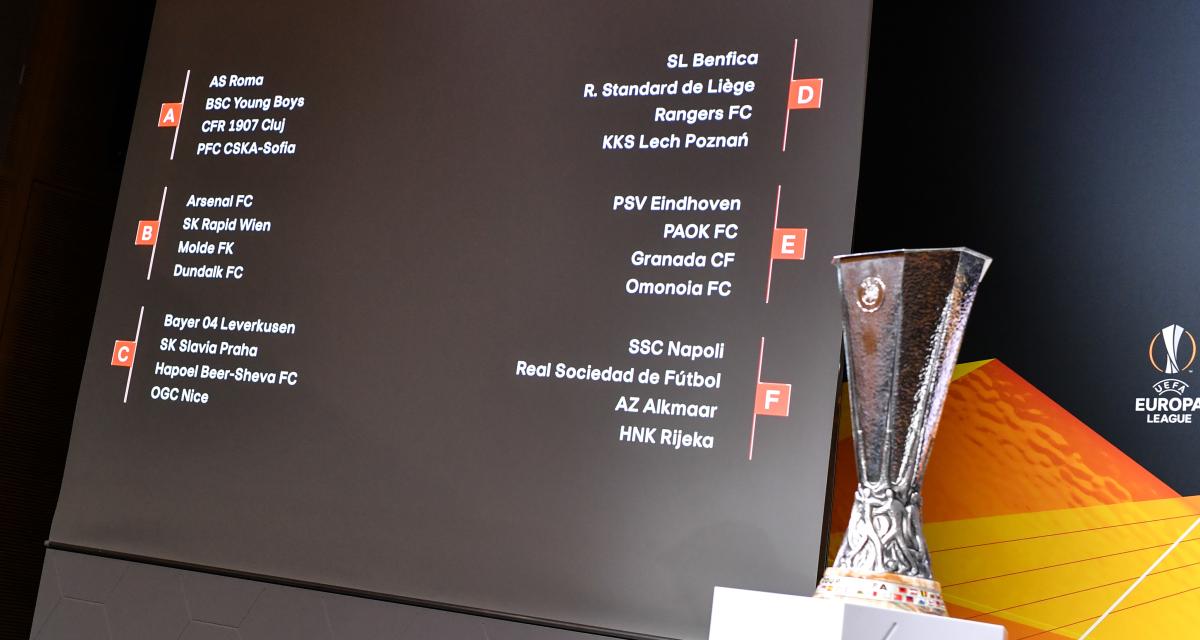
(806, 93)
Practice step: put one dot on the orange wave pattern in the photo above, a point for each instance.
(1036, 522)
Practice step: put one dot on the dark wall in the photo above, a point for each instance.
(15, 32)
(1062, 139)
(69, 71)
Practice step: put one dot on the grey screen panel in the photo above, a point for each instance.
(85, 596)
(448, 211)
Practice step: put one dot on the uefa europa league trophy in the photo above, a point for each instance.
(903, 314)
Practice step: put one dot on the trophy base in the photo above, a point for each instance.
(738, 614)
(882, 590)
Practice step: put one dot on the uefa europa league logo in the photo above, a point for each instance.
(1170, 337)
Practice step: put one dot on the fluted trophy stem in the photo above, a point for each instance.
(903, 315)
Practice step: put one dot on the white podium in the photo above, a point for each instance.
(738, 614)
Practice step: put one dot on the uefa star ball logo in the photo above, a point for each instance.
(1165, 350)
(870, 294)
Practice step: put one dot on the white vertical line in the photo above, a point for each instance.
(795, 45)
(179, 122)
(187, 77)
(753, 428)
(762, 343)
(157, 231)
(771, 264)
(787, 118)
(136, 336)
(1135, 584)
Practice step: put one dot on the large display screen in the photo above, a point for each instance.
(515, 307)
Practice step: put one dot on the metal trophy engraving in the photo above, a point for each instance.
(903, 315)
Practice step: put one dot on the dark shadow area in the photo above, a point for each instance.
(70, 71)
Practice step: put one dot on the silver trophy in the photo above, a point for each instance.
(903, 314)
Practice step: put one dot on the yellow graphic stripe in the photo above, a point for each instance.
(1059, 571)
(963, 368)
